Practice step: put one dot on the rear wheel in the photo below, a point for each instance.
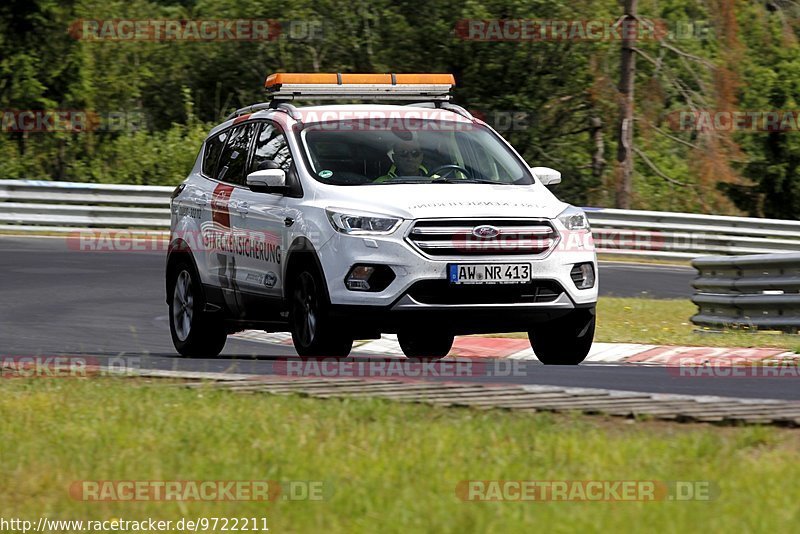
(195, 333)
(566, 340)
(425, 345)
(313, 332)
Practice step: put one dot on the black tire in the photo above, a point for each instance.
(566, 340)
(195, 333)
(314, 334)
(425, 345)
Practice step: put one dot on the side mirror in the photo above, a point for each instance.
(546, 175)
(267, 181)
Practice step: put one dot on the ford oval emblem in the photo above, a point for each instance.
(486, 231)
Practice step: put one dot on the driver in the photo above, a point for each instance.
(406, 156)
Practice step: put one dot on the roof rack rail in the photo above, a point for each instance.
(279, 106)
(249, 109)
(455, 108)
(444, 105)
(287, 108)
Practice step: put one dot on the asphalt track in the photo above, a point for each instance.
(58, 301)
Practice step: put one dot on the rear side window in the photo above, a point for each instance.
(213, 149)
(233, 160)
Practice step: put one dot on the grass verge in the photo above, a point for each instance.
(392, 467)
(622, 258)
(666, 322)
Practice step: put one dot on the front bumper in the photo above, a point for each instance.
(402, 295)
(368, 321)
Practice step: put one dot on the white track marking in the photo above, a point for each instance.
(386, 345)
(615, 352)
(525, 354)
(280, 338)
(612, 353)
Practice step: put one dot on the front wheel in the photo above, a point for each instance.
(313, 332)
(425, 345)
(566, 340)
(195, 333)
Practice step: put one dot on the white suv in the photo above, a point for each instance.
(344, 222)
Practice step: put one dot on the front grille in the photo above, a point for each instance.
(443, 292)
(457, 237)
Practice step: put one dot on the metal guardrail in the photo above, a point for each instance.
(761, 291)
(33, 205)
(29, 205)
(668, 235)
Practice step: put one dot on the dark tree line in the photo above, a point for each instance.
(558, 101)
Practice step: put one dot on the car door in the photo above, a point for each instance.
(260, 218)
(192, 208)
(224, 246)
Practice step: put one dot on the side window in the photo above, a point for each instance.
(211, 155)
(233, 161)
(272, 152)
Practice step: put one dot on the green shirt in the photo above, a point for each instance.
(393, 174)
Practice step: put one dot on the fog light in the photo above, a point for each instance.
(358, 279)
(371, 278)
(583, 275)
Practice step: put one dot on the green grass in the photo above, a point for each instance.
(392, 467)
(622, 258)
(666, 322)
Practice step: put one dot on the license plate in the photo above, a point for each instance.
(489, 273)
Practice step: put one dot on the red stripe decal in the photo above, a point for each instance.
(220, 201)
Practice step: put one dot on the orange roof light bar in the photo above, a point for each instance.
(356, 86)
(281, 78)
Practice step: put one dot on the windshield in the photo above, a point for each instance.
(446, 152)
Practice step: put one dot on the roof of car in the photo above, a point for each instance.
(378, 111)
(325, 113)
(372, 107)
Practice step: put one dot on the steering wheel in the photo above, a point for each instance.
(450, 169)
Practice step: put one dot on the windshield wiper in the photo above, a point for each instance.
(401, 182)
(463, 181)
(443, 181)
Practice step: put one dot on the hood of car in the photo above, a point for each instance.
(420, 201)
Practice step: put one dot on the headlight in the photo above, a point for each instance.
(574, 219)
(362, 224)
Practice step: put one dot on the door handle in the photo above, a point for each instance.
(201, 199)
(241, 207)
